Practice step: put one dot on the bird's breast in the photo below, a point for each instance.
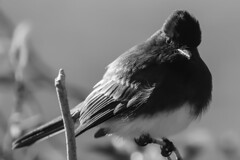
(158, 125)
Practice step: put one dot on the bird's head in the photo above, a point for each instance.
(183, 30)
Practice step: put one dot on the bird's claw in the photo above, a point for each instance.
(167, 148)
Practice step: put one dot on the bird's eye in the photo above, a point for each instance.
(168, 40)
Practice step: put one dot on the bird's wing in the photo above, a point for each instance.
(109, 99)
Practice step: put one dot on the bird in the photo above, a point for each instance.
(155, 88)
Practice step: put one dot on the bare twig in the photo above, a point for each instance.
(67, 119)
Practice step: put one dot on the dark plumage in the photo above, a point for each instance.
(147, 89)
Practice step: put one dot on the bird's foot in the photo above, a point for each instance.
(167, 148)
(143, 140)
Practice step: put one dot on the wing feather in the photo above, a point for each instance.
(94, 121)
(101, 104)
(103, 95)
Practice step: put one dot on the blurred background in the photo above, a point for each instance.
(39, 37)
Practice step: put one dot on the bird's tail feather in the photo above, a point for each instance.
(41, 133)
(47, 130)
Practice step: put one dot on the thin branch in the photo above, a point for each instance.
(67, 119)
(177, 153)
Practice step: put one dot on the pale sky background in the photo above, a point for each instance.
(84, 36)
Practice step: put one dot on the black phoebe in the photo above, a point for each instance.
(155, 88)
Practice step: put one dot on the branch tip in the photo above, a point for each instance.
(60, 79)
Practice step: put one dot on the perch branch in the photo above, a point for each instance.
(67, 119)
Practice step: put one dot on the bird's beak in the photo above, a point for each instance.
(185, 53)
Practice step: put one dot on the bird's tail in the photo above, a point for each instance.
(43, 132)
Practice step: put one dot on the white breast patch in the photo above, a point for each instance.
(161, 125)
